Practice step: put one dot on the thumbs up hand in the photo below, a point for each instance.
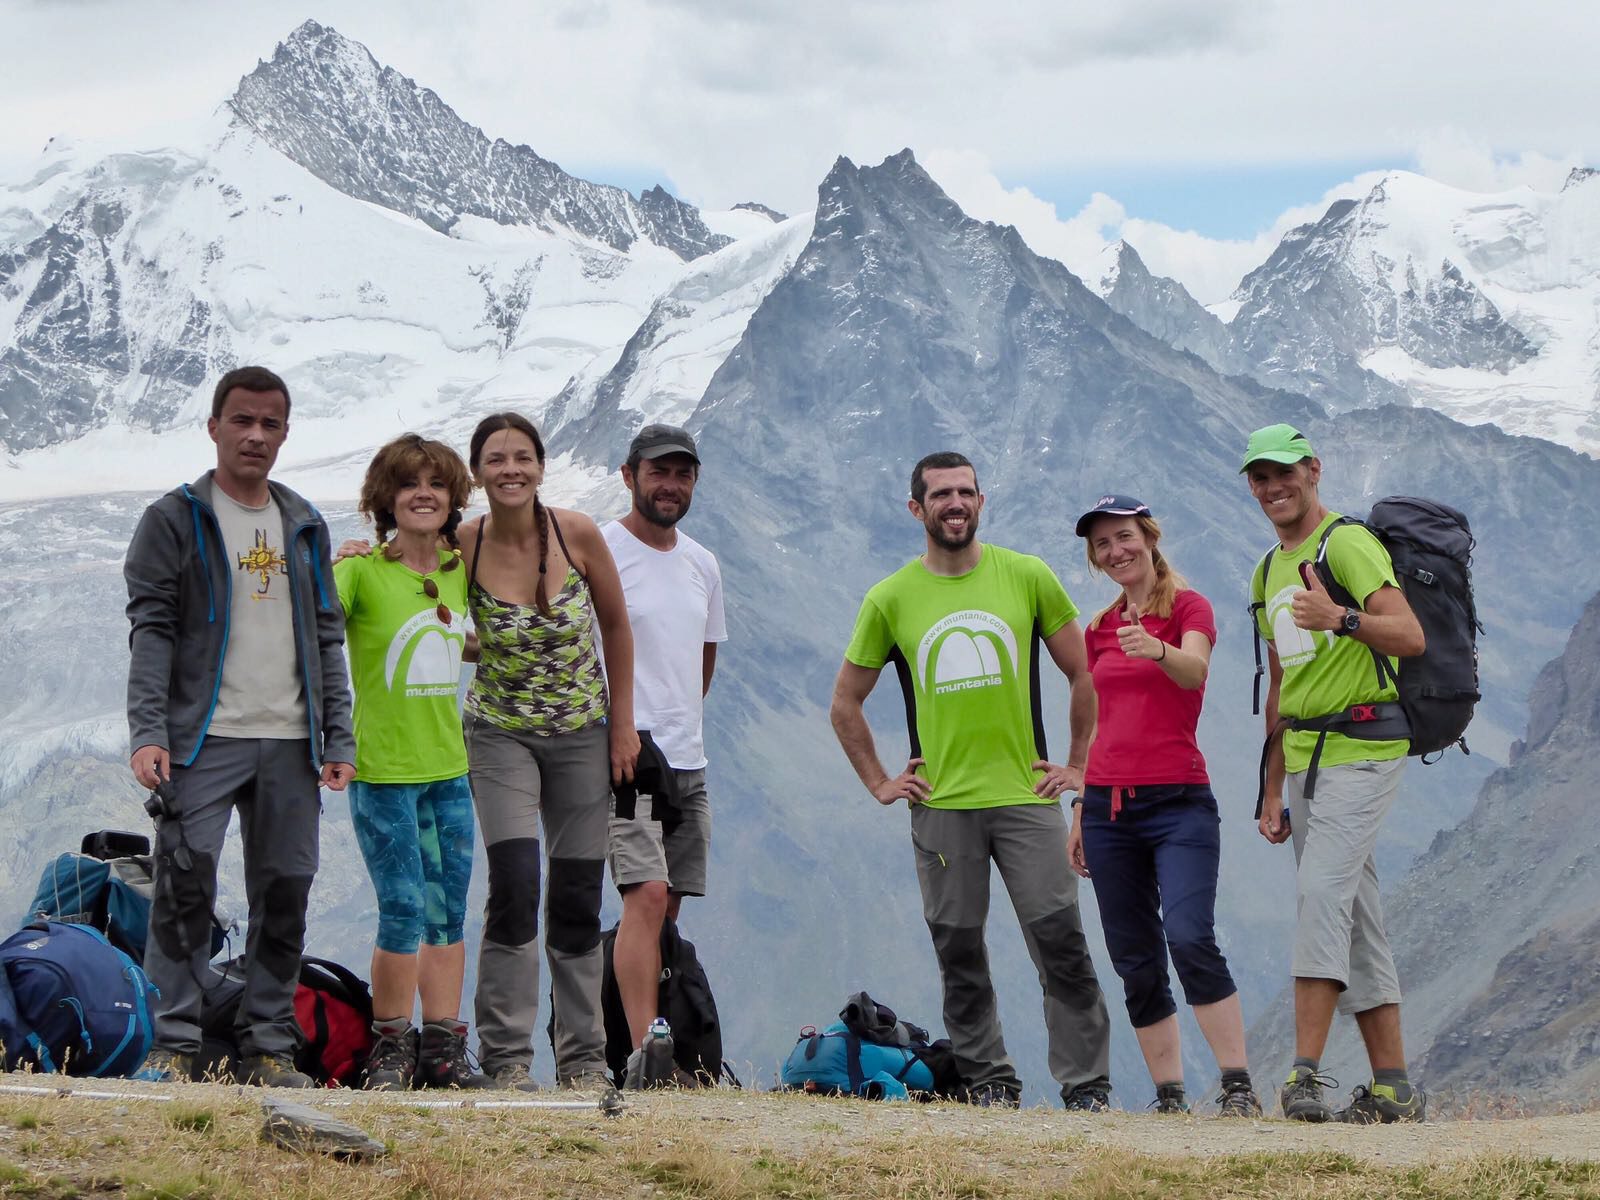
(1135, 640)
(1314, 608)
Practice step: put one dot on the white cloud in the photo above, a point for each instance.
(1209, 268)
(1452, 156)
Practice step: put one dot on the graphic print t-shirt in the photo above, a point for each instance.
(675, 607)
(965, 647)
(405, 665)
(262, 694)
(1323, 673)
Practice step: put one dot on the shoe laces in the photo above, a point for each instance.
(1305, 1081)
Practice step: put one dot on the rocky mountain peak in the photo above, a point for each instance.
(323, 101)
(1579, 175)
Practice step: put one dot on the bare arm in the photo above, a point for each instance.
(850, 692)
(1274, 824)
(1067, 652)
(593, 559)
(1387, 625)
(708, 664)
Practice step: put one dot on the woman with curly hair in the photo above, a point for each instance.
(1146, 826)
(548, 734)
(405, 605)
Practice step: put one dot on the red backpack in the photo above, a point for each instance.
(334, 1008)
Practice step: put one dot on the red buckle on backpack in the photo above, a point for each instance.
(1363, 712)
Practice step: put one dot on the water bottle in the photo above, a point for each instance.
(658, 1056)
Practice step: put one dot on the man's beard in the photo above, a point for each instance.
(945, 542)
(648, 510)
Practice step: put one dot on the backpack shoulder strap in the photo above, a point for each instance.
(1255, 627)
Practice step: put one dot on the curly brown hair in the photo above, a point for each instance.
(403, 460)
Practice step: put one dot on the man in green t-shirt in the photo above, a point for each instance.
(962, 625)
(1323, 659)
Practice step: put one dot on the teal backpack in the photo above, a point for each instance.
(872, 1054)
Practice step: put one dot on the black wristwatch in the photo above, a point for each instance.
(1351, 622)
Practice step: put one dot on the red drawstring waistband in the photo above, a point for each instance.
(1117, 793)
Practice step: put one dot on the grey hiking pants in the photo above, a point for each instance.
(520, 779)
(1028, 842)
(274, 788)
(1339, 932)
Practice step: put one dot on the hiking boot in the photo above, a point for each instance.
(589, 1083)
(1376, 1105)
(513, 1077)
(1238, 1100)
(1089, 1098)
(1170, 1100)
(392, 1061)
(272, 1070)
(1301, 1096)
(442, 1059)
(166, 1066)
(994, 1095)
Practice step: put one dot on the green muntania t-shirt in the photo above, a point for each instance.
(966, 642)
(1324, 673)
(405, 665)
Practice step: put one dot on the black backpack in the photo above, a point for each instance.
(1431, 547)
(685, 1000)
(332, 1005)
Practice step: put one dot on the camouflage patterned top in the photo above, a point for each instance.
(537, 672)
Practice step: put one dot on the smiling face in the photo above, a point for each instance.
(509, 469)
(662, 487)
(422, 502)
(950, 507)
(1287, 493)
(1120, 548)
(249, 432)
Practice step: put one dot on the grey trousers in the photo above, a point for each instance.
(1339, 932)
(520, 779)
(1028, 842)
(274, 788)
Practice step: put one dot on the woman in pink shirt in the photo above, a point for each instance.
(1146, 826)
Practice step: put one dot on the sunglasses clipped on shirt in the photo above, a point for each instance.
(431, 590)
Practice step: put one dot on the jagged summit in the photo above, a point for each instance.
(324, 101)
(763, 210)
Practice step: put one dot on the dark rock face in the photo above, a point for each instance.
(323, 101)
(71, 344)
(771, 214)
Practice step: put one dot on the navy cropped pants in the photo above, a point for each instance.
(1155, 880)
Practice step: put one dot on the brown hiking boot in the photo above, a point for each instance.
(166, 1066)
(272, 1070)
(442, 1060)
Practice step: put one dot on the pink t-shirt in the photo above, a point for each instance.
(1146, 727)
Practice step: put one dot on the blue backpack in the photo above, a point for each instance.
(71, 1001)
(871, 1053)
(111, 895)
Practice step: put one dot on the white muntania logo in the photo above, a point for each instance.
(971, 649)
(1295, 645)
(429, 654)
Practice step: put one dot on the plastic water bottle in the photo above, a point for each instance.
(658, 1055)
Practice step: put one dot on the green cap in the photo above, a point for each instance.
(1277, 443)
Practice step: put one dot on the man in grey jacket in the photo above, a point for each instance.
(237, 699)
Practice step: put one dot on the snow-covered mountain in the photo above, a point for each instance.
(1484, 306)
(390, 283)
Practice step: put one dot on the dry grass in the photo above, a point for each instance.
(206, 1143)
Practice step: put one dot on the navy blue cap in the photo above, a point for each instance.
(1113, 506)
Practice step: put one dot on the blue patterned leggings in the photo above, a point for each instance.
(417, 842)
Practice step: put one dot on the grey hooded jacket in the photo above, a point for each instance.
(179, 601)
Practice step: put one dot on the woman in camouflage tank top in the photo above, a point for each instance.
(546, 739)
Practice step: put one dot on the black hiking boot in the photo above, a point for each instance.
(994, 1095)
(1378, 1105)
(392, 1061)
(1170, 1100)
(442, 1060)
(272, 1070)
(1238, 1099)
(1089, 1098)
(1301, 1095)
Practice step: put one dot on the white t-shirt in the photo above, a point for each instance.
(675, 607)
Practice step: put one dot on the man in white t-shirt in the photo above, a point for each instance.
(674, 594)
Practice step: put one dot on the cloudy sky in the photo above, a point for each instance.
(1200, 129)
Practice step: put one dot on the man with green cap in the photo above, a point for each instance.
(1337, 739)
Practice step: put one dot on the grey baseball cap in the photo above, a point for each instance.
(657, 441)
